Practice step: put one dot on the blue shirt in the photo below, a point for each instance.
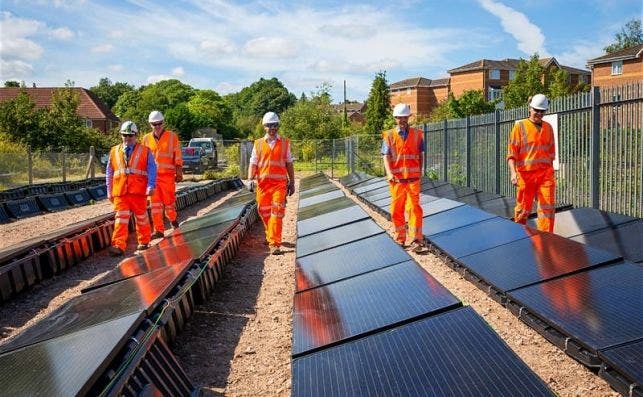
(403, 133)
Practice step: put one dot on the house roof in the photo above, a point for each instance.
(350, 107)
(622, 55)
(90, 106)
(511, 64)
(411, 83)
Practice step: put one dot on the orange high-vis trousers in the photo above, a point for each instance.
(406, 197)
(542, 185)
(164, 198)
(271, 205)
(122, 207)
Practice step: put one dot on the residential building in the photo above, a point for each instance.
(354, 110)
(90, 108)
(420, 93)
(618, 68)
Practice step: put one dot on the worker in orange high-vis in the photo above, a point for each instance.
(131, 178)
(166, 148)
(402, 149)
(530, 157)
(271, 165)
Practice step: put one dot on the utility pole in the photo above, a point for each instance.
(345, 120)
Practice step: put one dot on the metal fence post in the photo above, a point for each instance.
(446, 155)
(468, 155)
(425, 137)
(332, 162)
(316, 141)
(595, 148)
(30, 164)
(496, 126)
(92, 161)
(63, 155)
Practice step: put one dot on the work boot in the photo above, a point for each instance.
(115, 251)
(275, 250)
(175, 224)
(402, 244)
(142, 247)
(417, 246)
(157, 234)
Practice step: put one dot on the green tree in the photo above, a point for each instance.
(474, 102)
(312, 119)
(558, 86)
(630, 35)
(208, 109)
(15, 84)
(378, 104)
(528, 81)
(108, 92)
(179, 119)
(20, 120)
(126, 107)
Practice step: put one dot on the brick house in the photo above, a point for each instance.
(90, 108)
(354, 110)
(618, 68)
(420, 93)
(491, 76)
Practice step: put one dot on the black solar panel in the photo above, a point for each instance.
(625, 240)
(541, 257)
(477, 198)
(372, 186)
(324, 207)
(454, 218)
(241, 197)
(348, 260)
(378, 196)
(212, 218)
(67, 365)
(386, 202)
(326, 315)
(450, 191)
(312, 181)
(376, 192)
(330, 220)
(502, 206)
(439, 205)
(320, 198)
(427, 184)
(452, 354)
(341, 235)
(367, 182)
(627, 362)
(478, 237)
(598, 308)
(585, 220)
(354, 178)
(325, 188)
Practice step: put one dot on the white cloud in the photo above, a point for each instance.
(178, 71)
(102, 49)
(62, 33)
(115, 68)
(529, 36)
(15, 41)
(351, 31)
(14, 69)
(271, 47)
(217, 46)
(226, 88)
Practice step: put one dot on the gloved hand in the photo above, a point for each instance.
(179, 175)
(291, 188)
(252, 186)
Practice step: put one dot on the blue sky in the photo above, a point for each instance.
(226, 45)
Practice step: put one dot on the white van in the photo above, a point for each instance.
(208, 145)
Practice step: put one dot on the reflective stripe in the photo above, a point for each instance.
(402, 169)
(534, 161)
(273, 163)
(272, 176)
(121, 220)
(166, 166)
(546, 206)
(409, 157)
(542, 214)
(122, 213)
(128, 171)
(398, 228)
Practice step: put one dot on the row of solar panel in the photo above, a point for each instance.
(368, 320)
(47, 188)
(111, 339)
(582, 298)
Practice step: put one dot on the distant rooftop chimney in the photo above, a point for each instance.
(34, 85)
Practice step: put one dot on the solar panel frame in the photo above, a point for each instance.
(325, 188)
(335, 237)
(303, 203)
(453, 218)
(440, 205)
(372, 186)
(584, 220)
(324, 207)
(624, 240)
(622, 367)
(331, 220)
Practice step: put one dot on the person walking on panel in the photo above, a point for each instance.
(130, 178)
(402, 150)
(166, 148)
(271, 165)
(530, 157)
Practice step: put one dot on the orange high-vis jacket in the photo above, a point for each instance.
(530, 148)
(167, 151)
(405, 155)
(271, 162)
(130, 178)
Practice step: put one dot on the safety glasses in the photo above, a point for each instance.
(272, 125)
(541, 111)
(156, 124)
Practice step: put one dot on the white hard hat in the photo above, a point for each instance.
(270, 117)
(401, 110)
(155, 116)
(129, 128)
(539, 101)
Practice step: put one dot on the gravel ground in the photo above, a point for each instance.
(239, 342)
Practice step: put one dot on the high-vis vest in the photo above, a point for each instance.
(406, 161)
(130, 177)
(271, 162)
(531, 149)
(167, 151)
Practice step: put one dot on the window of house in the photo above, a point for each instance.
(408, 91)
(494, 74)
(88, 123)
(512, 74)
(494, 93)
(617, 67)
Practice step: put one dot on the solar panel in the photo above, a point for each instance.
(477, 198)
(541, 257)
(624, 240)
(452, 354)
(134, 295)
(324, 207)
(241, 197)
(623, 367)
(427, 184)
(354, 178)
(379, 196)
(338, 236)
(502, 206)
(320, 198)
(325, 188)
(347, 261)
(330, 220)
(312, 181)
(439, 205)
(212, 218)
(376, 192)
(346, 309)
(478, 237)
(367, 182)
(598, 308)
(585, 220)
(67, 365)
(450, 191)
(424, 198)
(452, 219)
(371, 186)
